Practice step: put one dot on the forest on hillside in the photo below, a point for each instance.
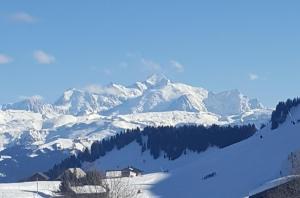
(166, 141)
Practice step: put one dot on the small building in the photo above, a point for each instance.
(78, 172)
(89, 191)
(125, 172)
(39, 176)
(131, 172)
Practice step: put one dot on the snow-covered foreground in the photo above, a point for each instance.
(29, 189)
(49, 189)
(143, 184)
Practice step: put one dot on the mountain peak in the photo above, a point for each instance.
(157, 79)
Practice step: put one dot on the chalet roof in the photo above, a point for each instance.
(36, 176)
(129, 168)
(78, 171)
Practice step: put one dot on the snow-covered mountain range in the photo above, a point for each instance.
(156, 94)
(81, 116)
(155, 101)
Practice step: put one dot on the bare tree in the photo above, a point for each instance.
(121, 188)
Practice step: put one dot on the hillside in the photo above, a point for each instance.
(239, 168)
(233, 171)
(171, 143)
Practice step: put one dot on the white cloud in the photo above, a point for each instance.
(151, 65)
(4, 59)
(253, 76)
(177, 66)
(22, 17)
(43, 58)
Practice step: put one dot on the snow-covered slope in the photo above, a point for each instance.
(29, 189)
(235, 171)
(239, 168)
(15, 123)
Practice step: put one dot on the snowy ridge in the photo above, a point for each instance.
(155, 94)
(99, 111)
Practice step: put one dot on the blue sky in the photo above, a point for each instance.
(49, 46)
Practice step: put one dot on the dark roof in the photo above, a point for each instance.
(129, 168)
(133, 169)
(38, 175)
(111, 170)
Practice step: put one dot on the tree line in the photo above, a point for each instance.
(166, 141)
